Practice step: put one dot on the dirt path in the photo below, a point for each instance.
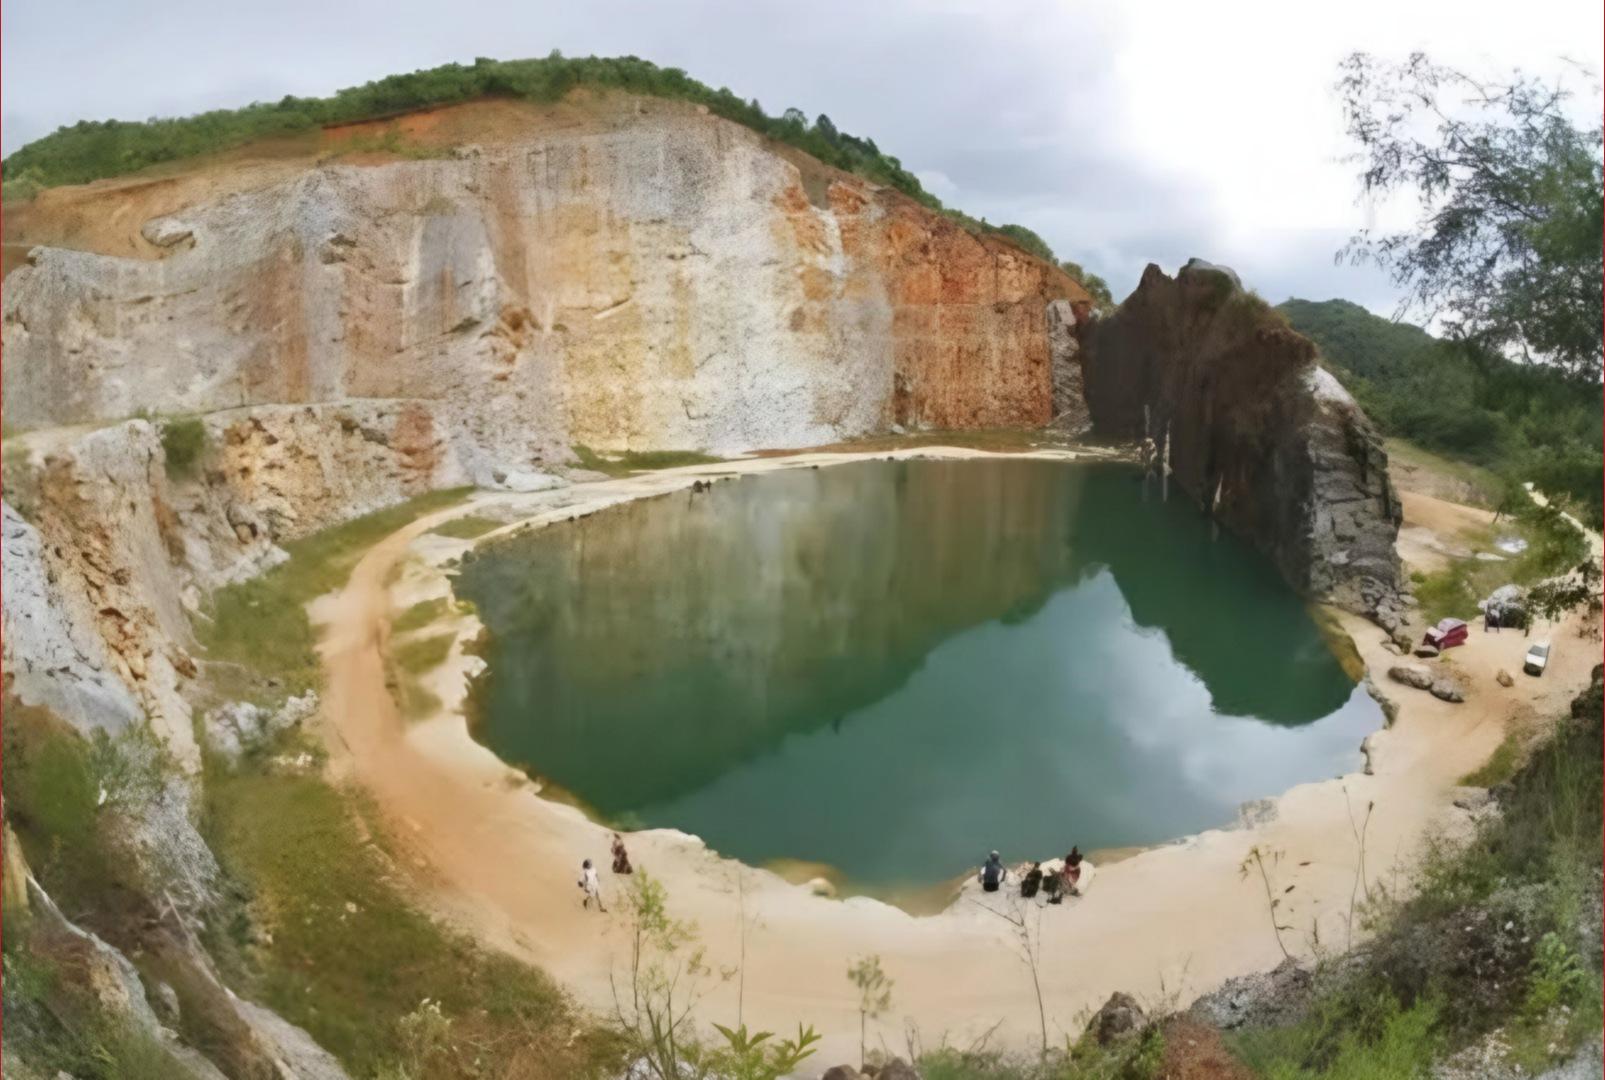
(1429, 535)
(1170, 922)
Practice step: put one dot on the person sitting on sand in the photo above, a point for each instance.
(1072, 871)
(592, 886)
(992, 873)
(621, 858)
(1032, 881)
(1052, 886)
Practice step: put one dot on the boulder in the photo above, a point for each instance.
(897, 1069)
(240, 726)
(1426, 651)
(842, 1072)
(524, 481)
(1119, 1017)
(1505, 606)
(1411, 675)
(1263, 999)
(1447, 690)
(1503, 678)
(166, 232)
(820, 886)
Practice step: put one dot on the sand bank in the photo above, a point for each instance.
(1170, 922)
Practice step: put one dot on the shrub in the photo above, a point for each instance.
(183, 443)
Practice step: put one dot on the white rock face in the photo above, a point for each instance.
(667, 283)
(108, 556)
(52, 652)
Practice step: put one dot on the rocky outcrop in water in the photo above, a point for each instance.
(1261, 436)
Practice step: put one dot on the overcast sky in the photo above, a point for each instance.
(1123, 133)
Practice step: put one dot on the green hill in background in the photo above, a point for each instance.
(1526, 421)
(92, 150)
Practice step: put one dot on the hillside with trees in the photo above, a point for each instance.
(93, 150)
(1526, 421)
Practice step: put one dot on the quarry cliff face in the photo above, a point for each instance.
(1262, 437)
(637, 276)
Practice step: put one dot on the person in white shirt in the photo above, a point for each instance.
(592, 885)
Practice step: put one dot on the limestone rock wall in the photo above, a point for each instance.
(1260, 435)
(663, 280)
(107, 555)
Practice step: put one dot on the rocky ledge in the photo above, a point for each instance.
(1262, 437)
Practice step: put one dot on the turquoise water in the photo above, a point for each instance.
(895, 667)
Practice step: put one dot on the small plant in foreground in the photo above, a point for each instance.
(874, 995)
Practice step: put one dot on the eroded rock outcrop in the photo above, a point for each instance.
(108, 552)
(1258, 433)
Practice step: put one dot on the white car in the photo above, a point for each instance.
(1537, 658)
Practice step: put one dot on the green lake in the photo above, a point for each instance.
(893, 667)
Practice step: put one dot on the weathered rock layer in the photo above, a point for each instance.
(638, 276)
(1257, 432)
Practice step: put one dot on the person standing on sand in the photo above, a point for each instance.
(621, 858)
(592, 886)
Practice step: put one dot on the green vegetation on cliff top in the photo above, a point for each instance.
(92, 150)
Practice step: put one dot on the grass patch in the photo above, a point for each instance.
(1140, 1057)
(420, 615)
(415, 700)
(422, 654)
(394, 142)
(58, 1029)
(1361, 1039)
(1475, 485)
(1499, 767)
(1553, 547)
(62, 788)
(262, 624)
(183, 443)
(626, 462)
(347, 957)
(467, 527)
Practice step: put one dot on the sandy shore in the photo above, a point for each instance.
(1165, 924)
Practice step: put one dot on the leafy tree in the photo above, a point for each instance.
(1027, 240)
(1508, 248)
(1558, 597)
(1097, 287)
(1526, 420)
